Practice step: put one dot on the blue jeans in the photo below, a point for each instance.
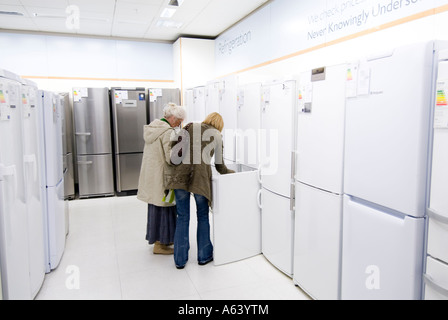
(182, 235)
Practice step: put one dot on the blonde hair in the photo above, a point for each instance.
(215, 119)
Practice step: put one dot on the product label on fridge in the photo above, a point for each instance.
(80, 93)
(5, 111)
(154, 94)
(441, 112)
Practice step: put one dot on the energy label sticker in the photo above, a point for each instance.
(441, 112)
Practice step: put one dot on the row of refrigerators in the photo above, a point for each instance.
(342, 174)
(45, 147)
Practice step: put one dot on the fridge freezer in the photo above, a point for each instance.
(129, 116)
(93, 141)
(436, 274)
(158, 99)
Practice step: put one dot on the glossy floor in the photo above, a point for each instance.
(107, 257)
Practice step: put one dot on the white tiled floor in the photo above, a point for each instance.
(107, 252)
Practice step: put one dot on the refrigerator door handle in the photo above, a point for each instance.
(433, 285)
(9, 172)
(83, 133)
(259, 199)
(437, 216)
(31, 159)
(85, 162)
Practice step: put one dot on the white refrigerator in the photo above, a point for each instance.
(385, 173)
(212, 97)
(228, 111)
(277, 173)
(52, 180)
(319, 181)
(436, 274)
(236, 197)
(14, 241)
(32, 150)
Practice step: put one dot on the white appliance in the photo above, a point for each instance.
(32, 149)
(212, 97)
(21, 228)
(236, 197)
(436, 275)
(385, 174)
(319, 181)
(189, 106)
(52, 181)
(199, 104)
(228, 111)
(277, 172)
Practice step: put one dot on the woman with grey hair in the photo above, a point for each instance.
(161, 223)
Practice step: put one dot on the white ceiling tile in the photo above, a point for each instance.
(104, 6)
(45, 3)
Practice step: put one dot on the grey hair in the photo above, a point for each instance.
(173, 110)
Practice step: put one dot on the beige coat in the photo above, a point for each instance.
(156, 157)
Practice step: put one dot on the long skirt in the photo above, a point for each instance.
(161, 224)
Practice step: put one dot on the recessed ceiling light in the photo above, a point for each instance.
(176, 3)
(11, 13)
(168, 12)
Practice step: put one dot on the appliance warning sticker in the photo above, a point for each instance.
(441, 113)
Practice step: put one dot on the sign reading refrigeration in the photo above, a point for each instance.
(227, 47)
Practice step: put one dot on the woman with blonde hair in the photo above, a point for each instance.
(191, 154)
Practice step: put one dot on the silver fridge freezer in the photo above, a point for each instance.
(158, 99)
(129, 114)
(93, 142)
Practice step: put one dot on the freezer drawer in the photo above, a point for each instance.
(128, 171)
(382, 254)
(95, 175)
(236, 217)
(317, 242)
(277, 231)
(438, 236)
(436, 280)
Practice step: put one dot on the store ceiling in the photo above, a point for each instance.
(134, 19)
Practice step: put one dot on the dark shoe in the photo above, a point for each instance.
(206, 262)
(180, 268)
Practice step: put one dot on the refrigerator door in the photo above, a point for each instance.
(33, 193)
(212, 97)
(95, 175)
(14, 241)
(188, 103)
(436, 280)
(53, 139)
(438, 236)
(277, 231)
(276, 139)
(128, 171)
(228, 110)
(320, 128)
(382, 255)
(56, 224)
(199, 104)
(317, 242)
(129, 117)
(92, 122)
(158, 99)
(249, 125)
(387, 130)
(236, 217)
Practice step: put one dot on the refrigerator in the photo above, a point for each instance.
(158, 99)
(94, 157)
(198, 112)
(277, 173)
(436, 274)
(388, 121)
(32, 149)
(129, 116)
(14, 237)
(188, 103)
(52, 183)
(319, 181)
(67, 146)
(237, 197)
(228, 111)
(212, 96)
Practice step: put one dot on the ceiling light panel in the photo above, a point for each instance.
(168, 12)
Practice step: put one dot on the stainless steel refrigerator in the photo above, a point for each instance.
(158, 99)
(129, 114)
(93, 142)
